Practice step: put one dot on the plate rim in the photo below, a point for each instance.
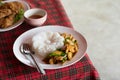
(15, 25)
(51, 28)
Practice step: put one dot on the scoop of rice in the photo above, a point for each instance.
(47, 42)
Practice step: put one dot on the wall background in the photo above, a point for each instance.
(99, 22)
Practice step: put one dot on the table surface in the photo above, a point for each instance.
(12, 69)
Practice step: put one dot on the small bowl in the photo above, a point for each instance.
(35, 16)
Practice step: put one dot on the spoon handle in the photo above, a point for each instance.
(40, 69)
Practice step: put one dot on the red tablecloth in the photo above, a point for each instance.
(12, 69)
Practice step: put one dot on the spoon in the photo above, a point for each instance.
(26, 49)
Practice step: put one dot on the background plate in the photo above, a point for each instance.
(26, 7)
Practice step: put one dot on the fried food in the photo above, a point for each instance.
(14, 6)
(1, 21)
(65, 53)
(8, 11)
(8, 21)
(5, 12)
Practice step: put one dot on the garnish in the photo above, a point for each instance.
(19, 15)
(1, 3)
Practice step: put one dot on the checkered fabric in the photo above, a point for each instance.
(12, 69)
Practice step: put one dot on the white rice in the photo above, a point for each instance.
(47, 42)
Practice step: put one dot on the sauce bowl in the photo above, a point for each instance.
(35, 16)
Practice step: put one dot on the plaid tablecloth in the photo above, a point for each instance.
(12, 69)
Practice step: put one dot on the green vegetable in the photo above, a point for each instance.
(75, 41)
(19, 15)
(57, 53)
(66, 39)
(53, 54)
(1, 3)
(63, 54)
(64, 59)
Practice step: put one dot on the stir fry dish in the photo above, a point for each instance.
(65, 53)
(10, 13)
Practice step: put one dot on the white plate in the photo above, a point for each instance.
(26, 7)
(27, 36)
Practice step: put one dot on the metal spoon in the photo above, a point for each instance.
(26, 49)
